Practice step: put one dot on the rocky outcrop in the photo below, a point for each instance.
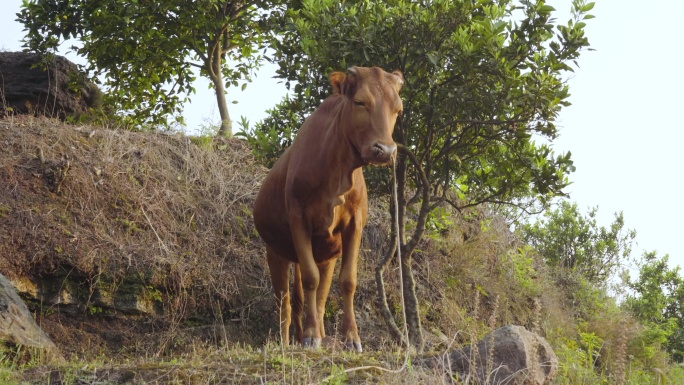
(510, 355)
(32, 83)
(71, 294)
(17, 326)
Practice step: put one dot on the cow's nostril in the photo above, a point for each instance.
(381, 151)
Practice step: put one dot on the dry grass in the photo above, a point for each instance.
(237, 364)
(118, 210)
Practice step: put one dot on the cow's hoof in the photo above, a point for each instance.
(314, 343)
(354, 346)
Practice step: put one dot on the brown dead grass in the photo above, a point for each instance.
(118, 209)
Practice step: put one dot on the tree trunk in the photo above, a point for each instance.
(380, 283)
(415, 328)
(226, 124)
(217, 78)
(410, 299)
(382, 296)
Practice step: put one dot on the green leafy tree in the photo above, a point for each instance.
(565, 238)
(481, 78)
(146, 50)
(271, 136)
(657, 301)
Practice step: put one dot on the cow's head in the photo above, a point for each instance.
(371, 98)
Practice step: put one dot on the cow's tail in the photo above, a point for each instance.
(297, 303)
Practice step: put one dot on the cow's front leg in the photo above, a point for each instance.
(326, 271)
(301, 236)
(351, 241)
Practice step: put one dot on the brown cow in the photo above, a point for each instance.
(313, 204)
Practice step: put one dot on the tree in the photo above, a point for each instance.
(565, 238)
(657, 301)
(482, 77)
(146, 50)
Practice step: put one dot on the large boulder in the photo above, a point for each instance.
(31, 83)
(510, 355)
(17, 326)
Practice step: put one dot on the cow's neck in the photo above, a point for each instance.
(327, 163)
(342, 153)
(338, 157)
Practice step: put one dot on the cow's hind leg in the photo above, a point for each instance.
(297, 303)
(280, 278)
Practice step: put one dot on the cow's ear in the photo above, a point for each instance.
(336, 81)
(399, 76)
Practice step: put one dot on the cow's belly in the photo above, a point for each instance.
(324, 246)
(326, 237)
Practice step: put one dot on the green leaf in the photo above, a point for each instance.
(587, 7)
(433, 58)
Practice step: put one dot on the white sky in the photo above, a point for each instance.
(622, 127)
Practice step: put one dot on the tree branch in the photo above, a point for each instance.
(425, 204)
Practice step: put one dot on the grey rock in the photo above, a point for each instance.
(17, 326)
(31, 83)
(518, 357)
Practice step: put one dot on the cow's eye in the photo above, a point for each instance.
(359, 103)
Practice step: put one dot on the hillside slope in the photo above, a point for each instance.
(111, 225)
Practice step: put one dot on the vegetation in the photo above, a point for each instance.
(588, 254)
(569, 240)
(584, 258)
(656, 300)
(147, 51)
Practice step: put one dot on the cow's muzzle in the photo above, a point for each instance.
(382, 153)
